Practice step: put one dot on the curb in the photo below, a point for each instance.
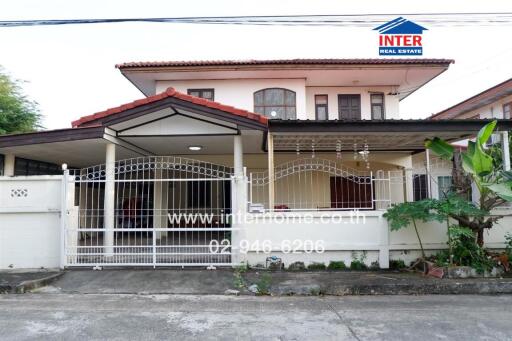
(25, 286)
(458, 288)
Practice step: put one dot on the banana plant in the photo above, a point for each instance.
(485, 170)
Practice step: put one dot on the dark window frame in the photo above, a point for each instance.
(380, 105)
(283, 105)
(201, 92)
(349, 96)
(509, 106)
(326, 106)
(27, 167)
(419, 187)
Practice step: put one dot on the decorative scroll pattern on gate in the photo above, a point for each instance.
(314, 184)
(168, 210)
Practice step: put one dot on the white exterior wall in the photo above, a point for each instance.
(489, 111)
(390, 102)
(239, 92)
(30, 224)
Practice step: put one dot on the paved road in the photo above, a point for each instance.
(144, 317)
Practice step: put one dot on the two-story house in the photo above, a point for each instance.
(151, 182)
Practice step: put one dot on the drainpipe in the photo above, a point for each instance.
(109, 203)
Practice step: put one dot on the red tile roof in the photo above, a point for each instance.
(326, 61)
(170, 92)
(479, 100)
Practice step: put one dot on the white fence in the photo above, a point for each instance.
(324, 185)
(145, 191)
(30, 233)
(166, 211)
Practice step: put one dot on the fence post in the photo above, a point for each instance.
(63, 215)
(384, 243)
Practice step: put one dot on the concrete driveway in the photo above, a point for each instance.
(193, 317)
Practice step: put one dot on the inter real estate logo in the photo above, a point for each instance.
(400, 37)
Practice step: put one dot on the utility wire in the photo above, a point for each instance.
(354, 20)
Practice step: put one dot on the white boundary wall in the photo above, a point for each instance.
(348, 238)
(30, 221)
(30, 230)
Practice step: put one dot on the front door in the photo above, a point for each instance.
(349, 107)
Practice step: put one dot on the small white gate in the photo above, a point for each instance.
(167, 211)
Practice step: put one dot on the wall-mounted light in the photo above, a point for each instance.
(195, 148)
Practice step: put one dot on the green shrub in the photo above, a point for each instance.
(316, 266)
(357, 264)
(337, 265)
(396, 264)
(508, 248)
(263, 284)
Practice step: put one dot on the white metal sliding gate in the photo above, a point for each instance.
(167, 211)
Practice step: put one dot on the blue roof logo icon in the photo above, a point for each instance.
(400, 25)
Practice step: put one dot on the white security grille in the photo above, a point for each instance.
(314, 184)
(168, 211)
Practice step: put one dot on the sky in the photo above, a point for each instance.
(69, 70)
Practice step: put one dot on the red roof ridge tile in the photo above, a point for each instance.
(170, 92)
(316, 61)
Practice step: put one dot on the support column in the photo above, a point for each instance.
(239, 200)
(427, 172)
(506, 150)
(109, 202)
(9, 161)
(384, 243)
(271, 177)
(408, 185)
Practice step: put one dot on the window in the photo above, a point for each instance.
(349, 107)
(202, 93)
(32, 167)
(275, 103)
(444, 186)
(377, 103)
(506, 110)
(419, 187)
(321, 112)
(199, 194)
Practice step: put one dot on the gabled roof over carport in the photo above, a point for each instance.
(164, 124)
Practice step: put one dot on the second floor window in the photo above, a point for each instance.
(202, 93)
(321, 112)
(275, 103)
(377, 103)
(506, 110)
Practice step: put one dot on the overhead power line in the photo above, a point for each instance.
(353, 20)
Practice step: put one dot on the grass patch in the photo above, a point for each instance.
(316, 266)
(337, 265)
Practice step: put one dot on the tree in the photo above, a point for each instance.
(18, 114)
(483, 166)
(409, 213)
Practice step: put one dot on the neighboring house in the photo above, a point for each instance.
(495, 102)
(291, 148)
(492, 103)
